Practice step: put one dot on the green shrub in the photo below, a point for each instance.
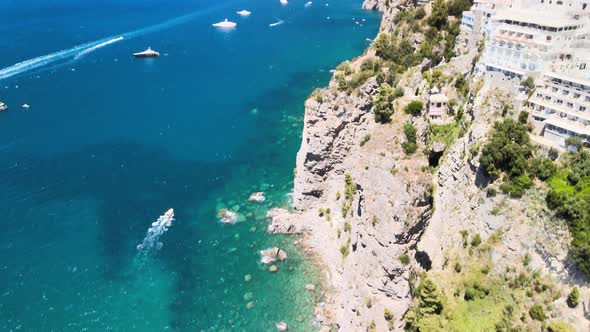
(365, 139)
(414, 108)
(537, 313)
(465, 237)
(456, 7)
(458, 268)
(528, 83)
(526, 259)
(543, 168)
(410, 145)
(420, 13)
(382, 105)
(573, 298)
(559, 326)
(553, 154)
(507, 150)
(404, 259)
(475, 291)
(491, 192)
(476, 240)
(347, 227)
(438, 17)
(387, 314)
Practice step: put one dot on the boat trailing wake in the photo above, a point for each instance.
(76, 52)
(151, 243)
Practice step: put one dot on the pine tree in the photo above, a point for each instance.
(430, 300)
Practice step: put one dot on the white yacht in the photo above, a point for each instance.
(284, 2)
(276, 23)
(244, 13)
(225, 24)
(3, 107)
(149, 53)
(308, 4)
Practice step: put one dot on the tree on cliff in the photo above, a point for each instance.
(382, 104)
(439, 16)
(507, 151)
(425, 316)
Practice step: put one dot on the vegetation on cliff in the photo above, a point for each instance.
(480, 297)
(509, 154)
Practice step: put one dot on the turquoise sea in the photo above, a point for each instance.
(109, 143)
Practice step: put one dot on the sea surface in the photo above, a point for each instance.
(109, 143)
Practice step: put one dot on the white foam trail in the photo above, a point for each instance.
(96, 47)
(76, 52)
(276, 23)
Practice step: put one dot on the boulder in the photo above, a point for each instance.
(282, 326)
(271, 255)
(273, 268)
(257, 197)
(227, 216)
(310, 287)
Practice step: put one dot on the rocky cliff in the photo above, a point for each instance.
(364, 206)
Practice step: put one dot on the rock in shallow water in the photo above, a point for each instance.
(227, 216)
(271, 255)
(273, 268)
(282, 326)
(257, 197)
(310, 287)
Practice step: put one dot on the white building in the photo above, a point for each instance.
(528, 42)
(561, 105)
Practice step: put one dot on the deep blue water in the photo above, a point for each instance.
(111, 142)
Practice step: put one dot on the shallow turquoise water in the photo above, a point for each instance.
(112, 142)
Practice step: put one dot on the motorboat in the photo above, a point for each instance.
(276, 23)
(284, 2)
(149, 53)
(3, 107)
(244, 12)
(225, 24)
(308, 4)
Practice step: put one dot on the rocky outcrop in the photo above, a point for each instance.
(329, 131)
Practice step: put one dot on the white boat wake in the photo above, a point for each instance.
(151, 243)
(96, 47)
(79, 51)
(276, 23)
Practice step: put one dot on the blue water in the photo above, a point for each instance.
(111, 142)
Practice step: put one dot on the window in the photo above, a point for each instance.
(548, 38)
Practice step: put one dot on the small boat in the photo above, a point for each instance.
(225, 24)
(308, 4)
(284, 2)
(3, 107)
(276, 23)
(244, 12)
(26, 106)
(149, 53)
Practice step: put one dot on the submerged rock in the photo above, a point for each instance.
(271, 255)
(250, 305)
(227, 216)
(248, 278)
(257, 197)
(273, 268)
(282, 326)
